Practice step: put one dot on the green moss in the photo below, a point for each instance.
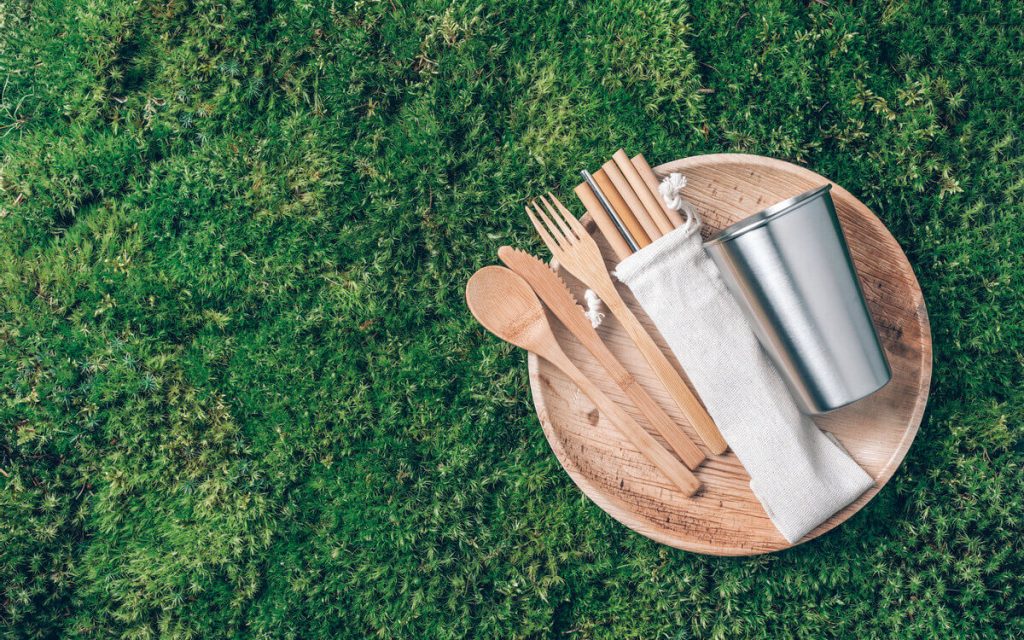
(240, 394)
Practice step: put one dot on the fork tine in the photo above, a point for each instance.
(548, 240)
(570, 236)
(565, 237)
(571, 219)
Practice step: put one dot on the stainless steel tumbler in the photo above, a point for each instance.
(790, 270)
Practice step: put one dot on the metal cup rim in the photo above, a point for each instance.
(763, 217)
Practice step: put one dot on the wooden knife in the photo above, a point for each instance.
(556, 295)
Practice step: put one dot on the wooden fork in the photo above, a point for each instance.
(574, 249)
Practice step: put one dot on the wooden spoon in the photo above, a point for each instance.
(506, 306)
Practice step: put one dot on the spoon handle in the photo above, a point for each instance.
(643, 441)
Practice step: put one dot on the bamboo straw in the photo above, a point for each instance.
(651, 180)
(632, 201)
(650, 203)
(625, 212)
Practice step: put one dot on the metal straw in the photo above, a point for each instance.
(611, 212)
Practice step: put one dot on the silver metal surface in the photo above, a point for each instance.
(627, 236)
(790, 270)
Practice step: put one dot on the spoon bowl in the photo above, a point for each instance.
(506, 306)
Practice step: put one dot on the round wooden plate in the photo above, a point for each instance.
(724, 518)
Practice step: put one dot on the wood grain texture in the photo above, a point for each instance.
(725, 518)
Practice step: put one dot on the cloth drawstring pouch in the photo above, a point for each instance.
(799, 474)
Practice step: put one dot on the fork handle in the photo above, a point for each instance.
(680, 476)
(674, 384)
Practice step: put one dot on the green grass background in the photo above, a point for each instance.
(241, 396)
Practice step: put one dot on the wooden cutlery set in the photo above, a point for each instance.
(623, 200)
